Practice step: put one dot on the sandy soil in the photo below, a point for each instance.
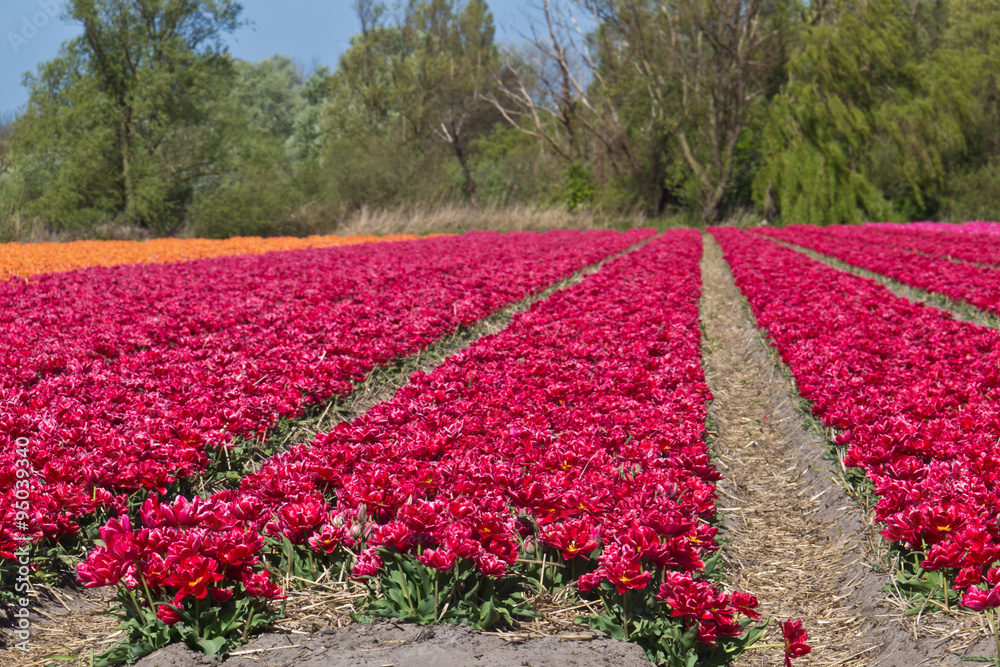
(384, 644)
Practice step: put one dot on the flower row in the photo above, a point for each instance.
(915, 393)
(973, 227)
(129, 378)
(976, 248)
(975, 285)
(29, 259)
(574, 436)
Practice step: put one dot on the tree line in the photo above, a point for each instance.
(813, 111)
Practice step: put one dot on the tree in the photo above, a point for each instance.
(120, 122)
(268, 93)
(700, 65)
(308, 132)
(870, 108)
(6, 129)
(455, 57)
(419, 79)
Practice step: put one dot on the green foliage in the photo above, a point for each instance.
(308, 134)
(210, 628)
(863, 126)
(820, 112)
(268, 95)
(638, 617)
(975, 194)
(257, 201)
(578, 187)
(509, 167)
(378, 172)
(119, 125)
(410, 591)
(12, 204)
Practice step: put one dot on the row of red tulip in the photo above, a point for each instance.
(578, 431)
(972, 227)
(127, 378)
(976, 248)
(915, 393)
(960, 281)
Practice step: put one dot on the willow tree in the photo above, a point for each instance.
(872, 108)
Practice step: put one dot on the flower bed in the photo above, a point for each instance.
(29, 259)
(972, 227)
(976, 248)
(916, 396)
(567, 448)
(975, 285)
(130, 378)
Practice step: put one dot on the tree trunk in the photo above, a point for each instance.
(656, 198)
(470, 185)
(710, 212)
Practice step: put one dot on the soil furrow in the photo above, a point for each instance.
(795, 539)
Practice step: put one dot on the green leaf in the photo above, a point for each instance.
(426, 610)
(212, 647)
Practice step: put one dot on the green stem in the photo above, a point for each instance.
(246, 628)
(149, 596)
(625, 605)
(135, 604)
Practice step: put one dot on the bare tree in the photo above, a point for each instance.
(655, 76)
(556, 91)
(702, 63)
(540, 90)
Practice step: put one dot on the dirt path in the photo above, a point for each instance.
(386, 644)
(795, 540)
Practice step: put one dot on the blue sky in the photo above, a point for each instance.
(311, 31)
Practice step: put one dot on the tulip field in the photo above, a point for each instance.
(567, 456)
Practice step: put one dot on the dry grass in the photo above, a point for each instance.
(779, 548)
(450, 218)
(64, 622)
(314, 219)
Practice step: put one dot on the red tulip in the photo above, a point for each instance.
(795, 640)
